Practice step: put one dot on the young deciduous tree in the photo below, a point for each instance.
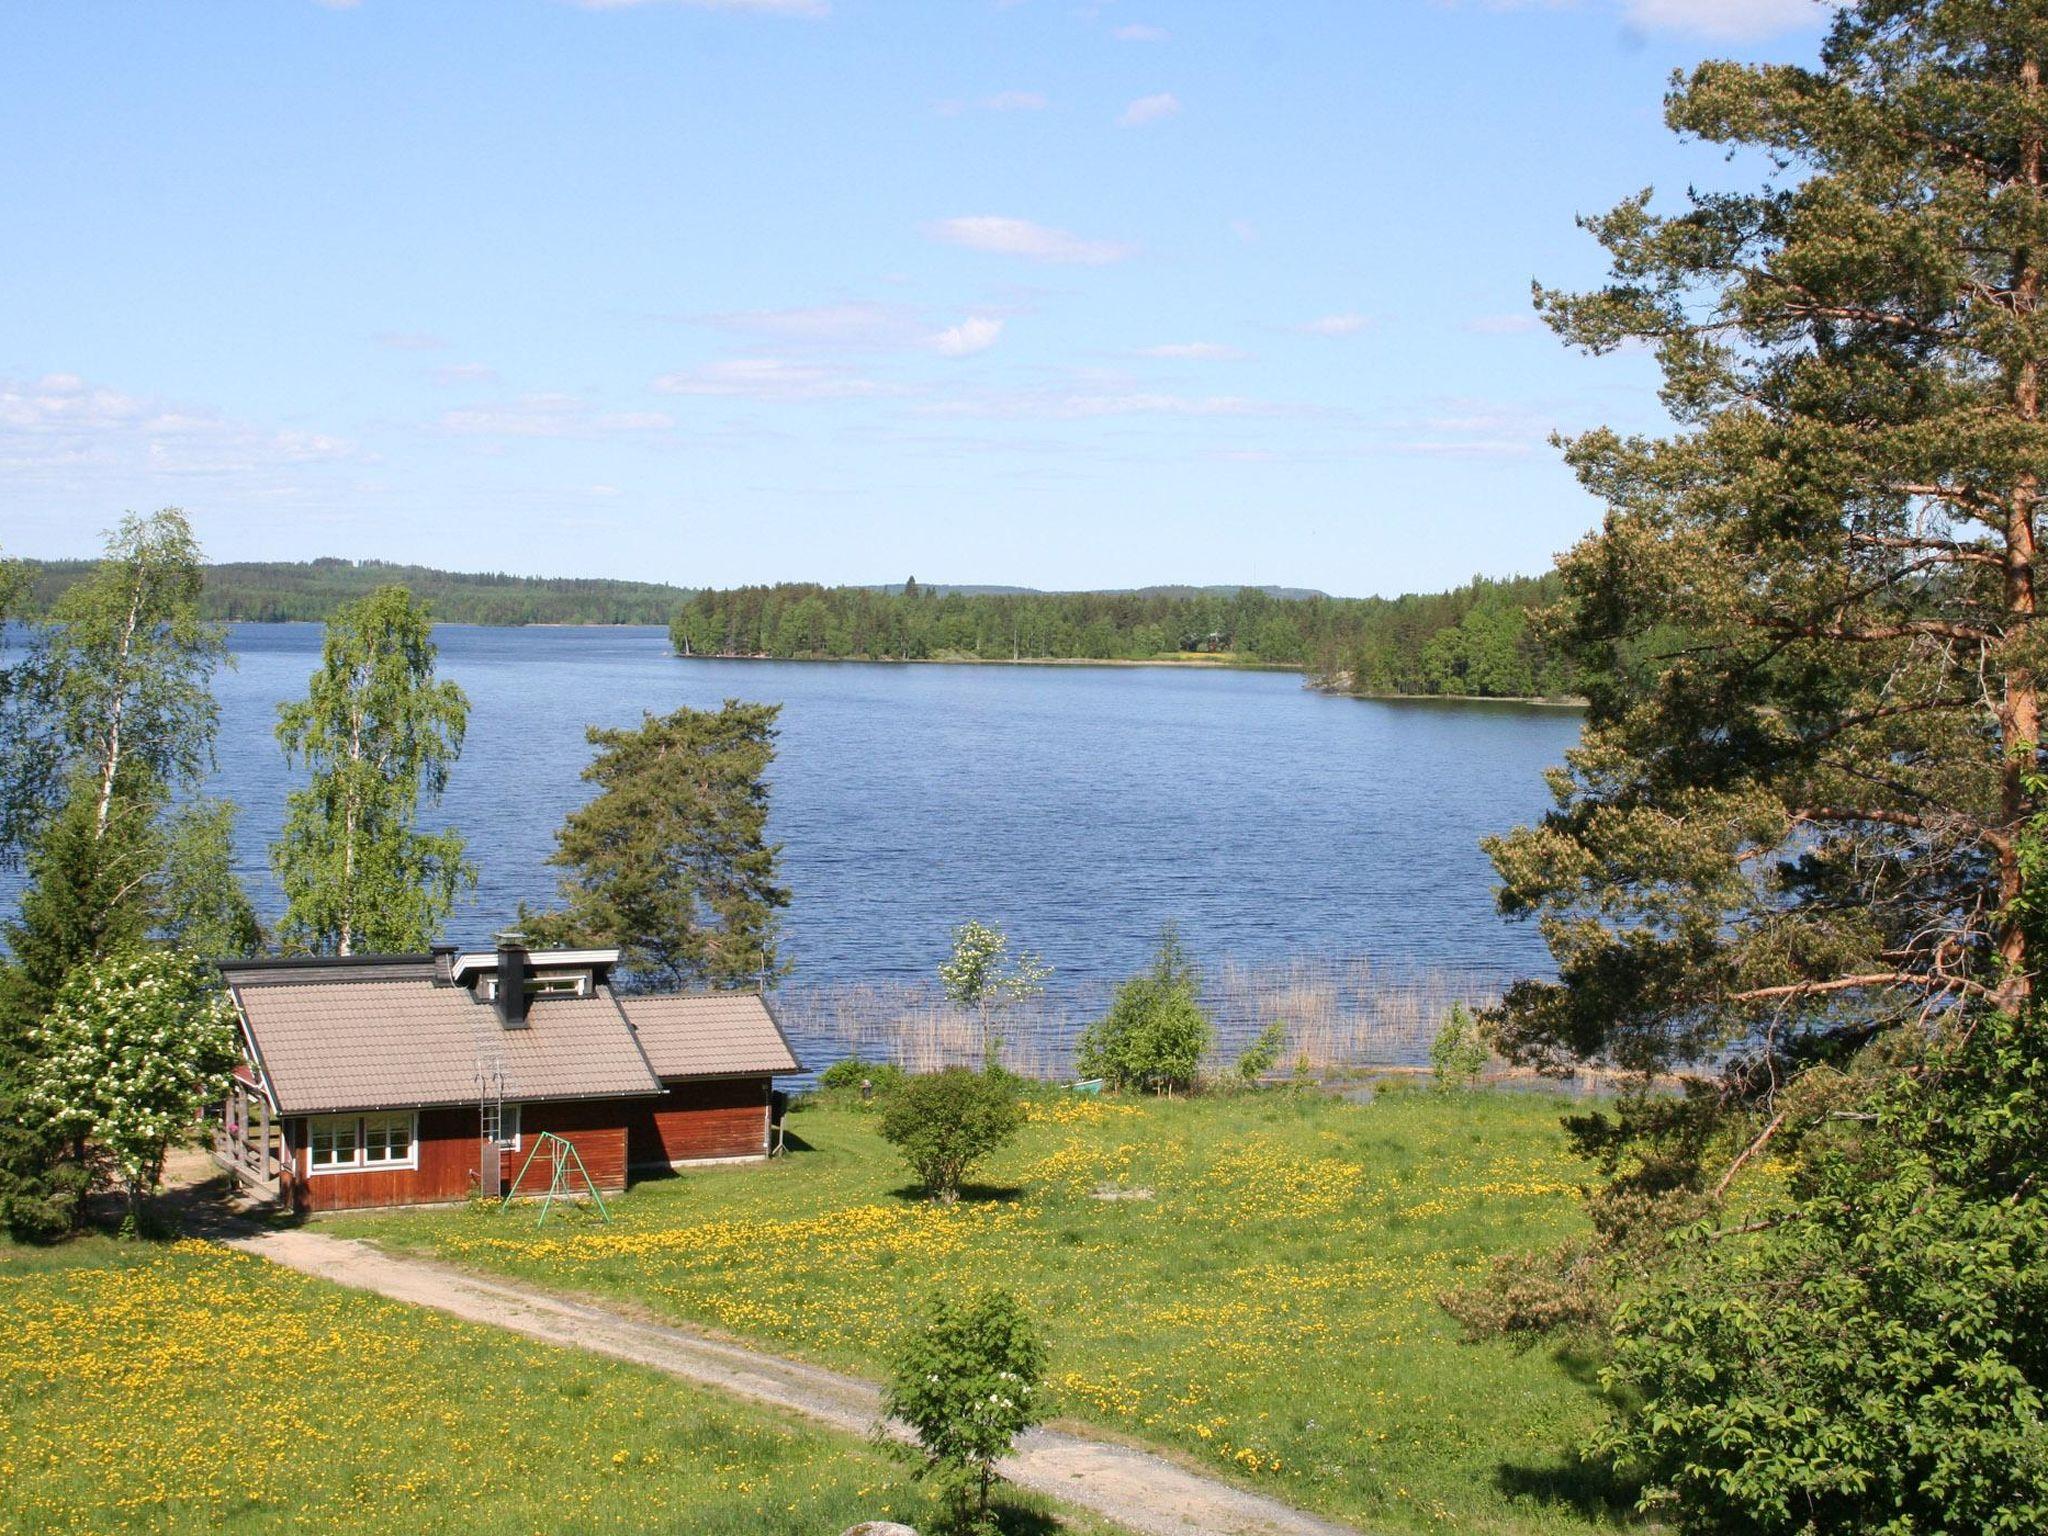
(968, 1381)
(982, 975)
(671, 862)
(203, 908)
(136, 1045)
(1809, 620)
(1156, 1031)
(380, 734)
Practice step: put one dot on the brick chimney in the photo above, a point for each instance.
(512, 973)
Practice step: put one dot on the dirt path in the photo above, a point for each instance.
(1143, 1492)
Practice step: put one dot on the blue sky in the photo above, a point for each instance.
(1051, 293)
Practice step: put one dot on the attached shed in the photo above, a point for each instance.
(408, 1079)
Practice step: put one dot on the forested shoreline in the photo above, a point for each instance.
(309, 591)
(1474, 640)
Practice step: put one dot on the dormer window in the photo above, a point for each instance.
(546, 984)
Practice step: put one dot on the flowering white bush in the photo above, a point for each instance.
(967, 1382)
(135, 1045)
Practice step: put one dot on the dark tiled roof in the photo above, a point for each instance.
(708, 1034)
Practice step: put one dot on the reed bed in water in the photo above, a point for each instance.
(1339, 1015)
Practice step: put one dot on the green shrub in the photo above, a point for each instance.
(1263, 1054)
(843, 1078)
(967, 1383)
(1871, 1354)
(1156, 1032)
(946, 1122)
(1459, 1053)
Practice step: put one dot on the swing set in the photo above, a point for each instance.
(564, 1167)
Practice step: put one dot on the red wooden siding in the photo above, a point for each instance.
(450, 1144)
(596, 1128)
(693, 1120)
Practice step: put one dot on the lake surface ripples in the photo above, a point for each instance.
(1078, 807)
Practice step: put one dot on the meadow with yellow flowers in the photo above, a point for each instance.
(185, 1387)
(1247, 1281)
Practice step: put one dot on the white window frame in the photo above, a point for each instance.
(358, 1130)
(508, 1119)
(545, 985)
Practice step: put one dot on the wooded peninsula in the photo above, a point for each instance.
(1474, 640)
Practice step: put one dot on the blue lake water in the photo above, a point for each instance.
(1078, 807)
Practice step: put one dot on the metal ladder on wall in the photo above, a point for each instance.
(490, 1096)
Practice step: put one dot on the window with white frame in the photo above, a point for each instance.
(547, 984)
(507, 1133)
(343, 1143)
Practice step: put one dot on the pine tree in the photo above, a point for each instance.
(1809, 617)
(671, 862)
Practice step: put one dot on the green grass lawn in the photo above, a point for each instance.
(184, 1387)
(1266, 1305)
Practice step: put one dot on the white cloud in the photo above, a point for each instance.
(1021, 237)
(1474, 429)
(856, 323)
(1730, 20)
(61, 432)
(975, 334)
(1088, 405)
(551, 415)
(1002, 101)
(1191, 351)
(1503, 325)
(1465, 448)
(1725, 20)
(1150, 109)
(1139, 32)
(1346, 324)
(465, 373)
(409, 341)
(769, 378)
(760, 7)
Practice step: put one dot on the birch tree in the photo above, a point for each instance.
(379, 734)
(111, 722)
(127, 665)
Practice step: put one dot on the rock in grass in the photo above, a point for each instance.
(878, 1528)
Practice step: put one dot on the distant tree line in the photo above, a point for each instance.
(311, 590)
(1474, 639)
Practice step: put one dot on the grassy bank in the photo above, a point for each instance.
(1247, 1281)
(173, 1388)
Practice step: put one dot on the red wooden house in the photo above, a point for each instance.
(405, 1079)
